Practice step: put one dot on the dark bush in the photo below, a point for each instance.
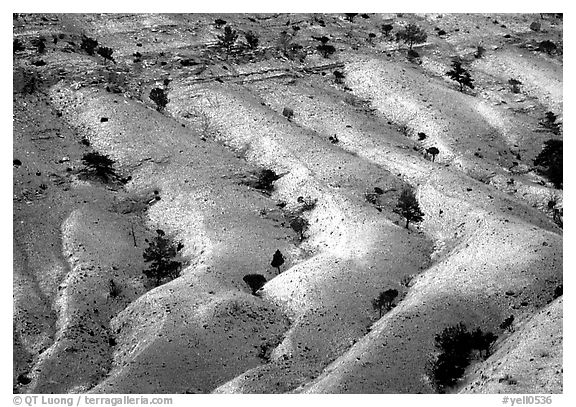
(99, 165)
(549, 122)
(254, 281)
(507, 324)
(161, 254)
(219, 23)
(558, 291)
(326, 50)
(227, 39)
(550, 160)
(339, 77)
(515, 83)
(160, 98)
(350, 16)
(433, 151)
(299, 225)
(480, 50)
(17, 46)
(266, 180)
(547, 46)
(288, 113)
(106, 53)
(386, 29)
(40, 44)
(88, 44)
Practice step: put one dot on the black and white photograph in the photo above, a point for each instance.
(287, 203)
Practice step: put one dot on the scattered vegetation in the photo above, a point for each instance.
(88, 44)
(160, 98)
(407, 280)
(409, 208)
(289, 49)
(339, 77)
(433, 151)
(384, 300)
(455, 345)
(386, 29)
(265, 180)
(40, 44)
(411, 34)
(480, 51)
(558, 291)
(254, 281)
(550, 162)
(114, 290)
(548, 47)
(350, 16)
(162, 254)
(277, 260)
(459, 74)
(288, 113)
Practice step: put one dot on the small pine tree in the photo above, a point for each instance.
(300, 225)
(160, 253)
(88, 44)
(99, 165)
(277, 260)
(459, 74)
(412, 34)
(254, 281)
(549, 122)
(409, 208)
(550, 158)
(227, 39)
(158, 96)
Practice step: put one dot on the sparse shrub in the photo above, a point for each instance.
(550, 160)
(160, 98)
(251, 40)
(480, 51)
(441, 32)
(409, 208)
(17, 46)
(254, 281)
(88, 44)
(371, 37)
(384, 300)
(289, 49)
(412, 55)
(227, 39)
(421, 136)
(106, 53)
(40, 44)
(411, 34)
(99, 165)
(277, 260)
(482, 341)
(114, 290)
(386, 29)
(407, 280)
(219, 23)
(535, 26)
(515, 83)
(137, 57)
(161, 254)
(549, 122)
(326, 50)
(459, 74)
(507, 324)
(307, 203)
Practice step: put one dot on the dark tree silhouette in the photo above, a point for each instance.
(99, 165)
(266, 180)
(277, 260)
(515, 83)
(339, 77)
(550, 159)
(409, 208)
(411, 34)
(219, 23)
(324, 48)
(384, 300)
(459, 74)
(158, 96)
(482, 341)
(433, 151)
(160, 253)
(350, 16)
(386, 29)
(17, 46)
(254, 281)
(547, 46)
(40, 44)
(227, 39)
(251, 40)
(106, 53)
(549, 122)
(300, 225)
(88, 44)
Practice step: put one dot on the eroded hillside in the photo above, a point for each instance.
(344, 131)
